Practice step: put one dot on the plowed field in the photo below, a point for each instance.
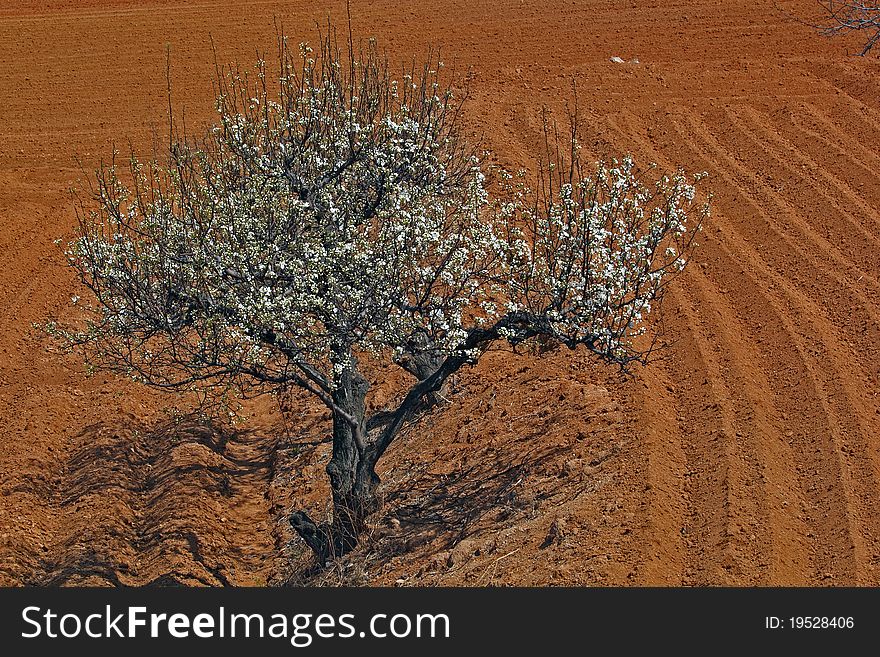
(750, 454)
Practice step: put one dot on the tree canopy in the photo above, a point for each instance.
(339, 214)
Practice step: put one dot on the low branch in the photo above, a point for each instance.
(515, 326)
(317, 537)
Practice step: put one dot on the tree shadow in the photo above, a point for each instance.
(427, 512)
(145, 505)
(445, 509)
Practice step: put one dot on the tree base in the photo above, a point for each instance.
(326, 541)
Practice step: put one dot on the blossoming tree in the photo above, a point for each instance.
(340, 217)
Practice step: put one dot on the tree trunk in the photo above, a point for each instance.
(353, 480)
(421, 359)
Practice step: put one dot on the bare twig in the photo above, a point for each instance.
(844, 16)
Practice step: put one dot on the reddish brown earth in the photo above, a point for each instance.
(748, 455)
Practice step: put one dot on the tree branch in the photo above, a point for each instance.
(515, 326)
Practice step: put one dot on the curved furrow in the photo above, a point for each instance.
(870, 115)
(664, 556)
(684, 525)
(846, 134)
(860, 243)
(804, 410)
(799, 238)
(731, 420)
(843, 331)
(717, 487)
(863, 162)
(727, 533)
(770, 534)
(673, 528)
(850, 445)
(856, 317)
(830, 392)
(837, 439)
(765, 545)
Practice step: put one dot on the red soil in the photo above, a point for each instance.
(749, 455)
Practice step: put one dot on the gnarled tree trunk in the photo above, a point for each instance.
(352, 468)
(353, 479)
